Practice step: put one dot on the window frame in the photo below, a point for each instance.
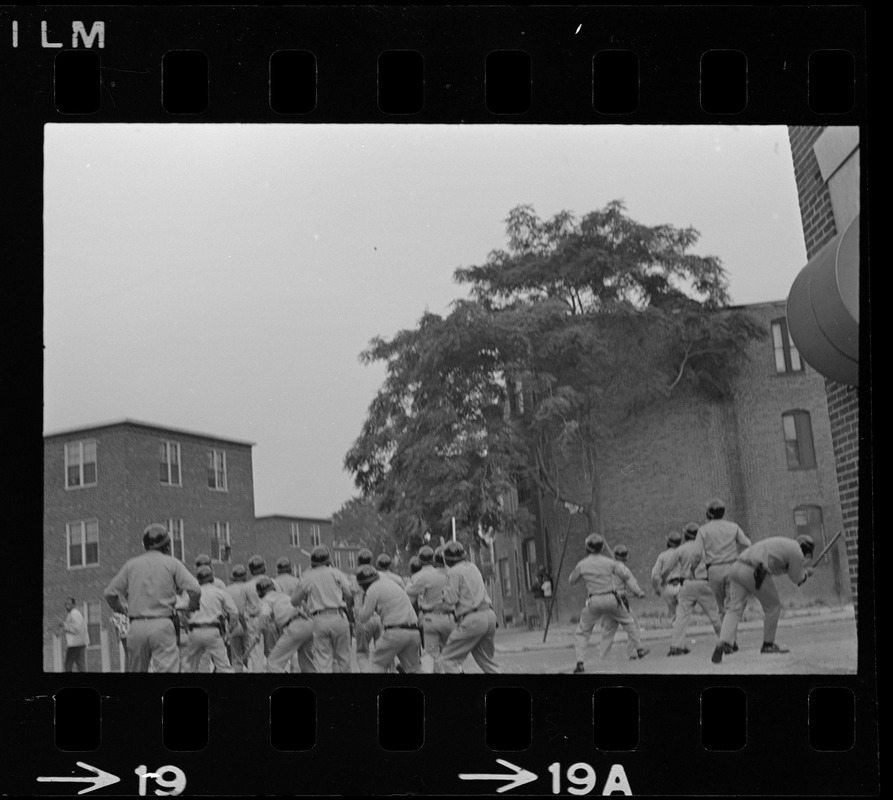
(787, 349)
(167, 446)
(215, 470)
(803, 440)
(91, 643)
(807, 529)
(83, 527)
(170, 529)
(81, 463)
(216, 528)
(351, 559)
(315, 535)
(505, 576)
(294, 535)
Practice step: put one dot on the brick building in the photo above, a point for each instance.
(280, 535)
(768, 452)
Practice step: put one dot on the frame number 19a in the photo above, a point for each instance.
(582, 779)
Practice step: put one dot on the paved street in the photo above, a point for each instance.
(822, 642)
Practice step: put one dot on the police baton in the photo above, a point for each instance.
(824, 552)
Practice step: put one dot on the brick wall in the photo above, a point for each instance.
(273, 539)
(817, 216)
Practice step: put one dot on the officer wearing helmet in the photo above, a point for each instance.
(260, 639)
(610, 625)
(400, 637)
(383, 565)
(475, 630)
(365, 633)
(326, 592)
(206, 626)
(146, 590)
(720, 541)
(666, 583)
(694, 591)
(598, 572)
(238, 590)
(204, 560)
(285, 577)
(752, 574)
(435, 614)
(291, 627)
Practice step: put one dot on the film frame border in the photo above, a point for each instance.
(670, 38)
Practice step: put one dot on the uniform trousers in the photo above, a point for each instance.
(331, 643)
(597, 607)
(206, 642)
(297, 637)
(366, 634)
(237, 647)
(400, 643)
(670, 594)
(609, 631)
(694, 593)
(475, 634)
(255, 657)
(742, 586)
(438, 627)
(152, 641)
(718, 576)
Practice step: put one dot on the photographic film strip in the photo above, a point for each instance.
(652, 726)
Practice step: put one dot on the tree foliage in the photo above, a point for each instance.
(566, 335)
(360, 522)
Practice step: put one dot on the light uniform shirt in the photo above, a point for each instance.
(720, 540)
(465, 588)
(428, 585)
(252, 599)
(75, 629)
(214, 603)
(660, 573)
(598, 571)
(322, 587)
(278, 606)
(393, 576)
(150, 583)
(687, 562)
(287, 582)
(779, 555)
(238, 590)
(390, 602)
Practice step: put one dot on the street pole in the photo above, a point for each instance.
(555, 583)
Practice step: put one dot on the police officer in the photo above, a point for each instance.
(292, 626)
(610, 625)
(400, 637)
(365, 632)
(426, 588)
(383, 565)
(695, 590)
(149, 585)
(666, 583)
(238, 590)
(327, 593)
(260, 638)
(204, 560)
(598, 571)
(475, 630)
(285, 577)
(752, 574)
(720, 541)
(206, 625)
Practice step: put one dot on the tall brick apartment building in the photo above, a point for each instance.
(768, 453)
(104, 483)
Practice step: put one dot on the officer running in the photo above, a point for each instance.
(367, 632)
(383, 565)
(598, 572)
(149, 585)
(610, 625)
(752, 574)
(292, 626)
(238, 590)
(207, 625)
(720, 541)
(285, 577)
(400, 637)
(327, 593)
(204, 560)
(475, 629)
(666, 583)
(435, 614)
(695, 590)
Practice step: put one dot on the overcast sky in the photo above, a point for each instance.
(225, 278)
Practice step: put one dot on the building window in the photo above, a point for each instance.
(217, 470)
(338, 559)
(178, 543)
(787, 358)
(352, 559)
(80, 464)
(170, 463)
(798, 439)
(83, 543)
(315, 536)
(294, 535)
(505, 575)
(220, 542)
(528, 548)
(808, 520)
(93, 616)
(300, 570)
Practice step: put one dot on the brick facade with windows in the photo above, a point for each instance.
(819, 227)
(129, 493)
(280, 535)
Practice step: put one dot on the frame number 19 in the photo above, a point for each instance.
(581, 777)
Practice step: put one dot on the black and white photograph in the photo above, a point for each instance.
(451, 399)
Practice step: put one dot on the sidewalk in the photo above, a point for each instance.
(561, 636)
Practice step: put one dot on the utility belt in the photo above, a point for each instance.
(481, 607)
(163, 616)
(720, 563)
(403, 627)
(193, 625)
(438, 610)
(676, 581)
(339, 611)
(617, 596)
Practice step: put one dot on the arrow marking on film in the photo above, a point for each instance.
(520, 777)
(100, 779)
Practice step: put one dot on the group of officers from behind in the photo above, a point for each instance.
(430, 623)
(715, 566)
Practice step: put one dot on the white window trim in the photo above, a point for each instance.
(91, 645)
(217, 526)
(80, 443)
(315, 535)
(83, 524)
(294, 535)
(217, 487)
(168, 444)
(170, 530)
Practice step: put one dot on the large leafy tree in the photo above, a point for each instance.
(360, 522)
(566, 336)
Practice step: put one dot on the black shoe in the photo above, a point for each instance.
(728, 649)
(717, 653)
(642, 652)
(773, 648)
(678, 651)
(579, 667)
